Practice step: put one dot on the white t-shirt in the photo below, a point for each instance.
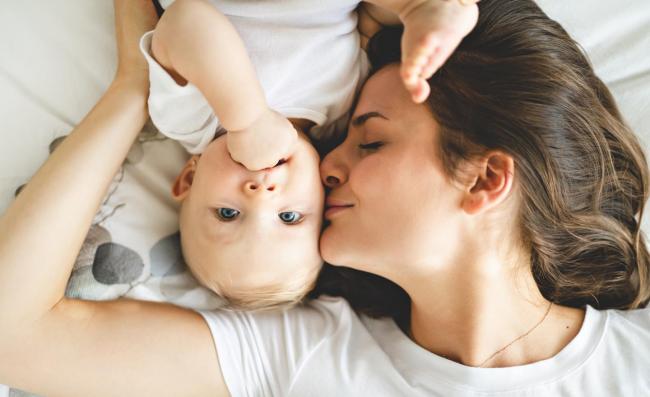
(325, 349)
(307, 57)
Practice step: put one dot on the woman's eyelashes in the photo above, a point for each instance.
(288, 217)
(371, 146)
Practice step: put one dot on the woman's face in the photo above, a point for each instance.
(390, 202)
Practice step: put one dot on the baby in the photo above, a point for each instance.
(244, 86)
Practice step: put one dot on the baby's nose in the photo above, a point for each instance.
(255, 186)
(268, 180)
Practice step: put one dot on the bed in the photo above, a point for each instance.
(58, 56)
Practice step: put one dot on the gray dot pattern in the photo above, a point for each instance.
(116, 264)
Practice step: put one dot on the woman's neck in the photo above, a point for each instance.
(468, 312)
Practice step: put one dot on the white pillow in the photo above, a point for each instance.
(57, 58)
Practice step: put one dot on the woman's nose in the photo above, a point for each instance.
(333, 170)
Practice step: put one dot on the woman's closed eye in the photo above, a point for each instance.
(227, 214)
(291, 217)
(371, 146)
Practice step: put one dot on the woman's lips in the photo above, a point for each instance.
(335, 207)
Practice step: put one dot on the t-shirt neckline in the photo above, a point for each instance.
(420, 366)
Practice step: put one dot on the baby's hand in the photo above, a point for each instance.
(432, 30)
(268, 140)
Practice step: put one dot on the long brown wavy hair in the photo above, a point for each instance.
(518, 83)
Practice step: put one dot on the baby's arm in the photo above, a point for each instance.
(432, 30)
(194, 42)
(371, 19)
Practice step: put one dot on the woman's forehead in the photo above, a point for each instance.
(384, 91)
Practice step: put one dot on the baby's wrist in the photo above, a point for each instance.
(413, 6)
(409, 7)
(253, 126)
(466, 2)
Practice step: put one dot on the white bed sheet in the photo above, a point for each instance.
(57, 57)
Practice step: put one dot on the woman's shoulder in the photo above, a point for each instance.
(635, 321)
(619, 328)
(622, 350)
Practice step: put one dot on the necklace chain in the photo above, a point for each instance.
(548, 310)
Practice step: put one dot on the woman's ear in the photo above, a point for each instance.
(183, 182)
(491, 183)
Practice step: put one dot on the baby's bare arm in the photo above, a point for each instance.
(387, 12)
(196, 43)
(432, 31)
(371, 19)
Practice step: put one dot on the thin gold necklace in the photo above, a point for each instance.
(548, 310)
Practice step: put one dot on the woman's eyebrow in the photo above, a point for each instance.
(359, 120)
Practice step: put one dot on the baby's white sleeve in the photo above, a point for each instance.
(260, 353)
(179, 112)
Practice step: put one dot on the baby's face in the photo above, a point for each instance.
(244, 229)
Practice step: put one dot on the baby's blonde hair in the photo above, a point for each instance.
(274, 296)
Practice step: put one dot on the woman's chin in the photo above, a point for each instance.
(334, 247)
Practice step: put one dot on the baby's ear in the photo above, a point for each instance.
(183, 182)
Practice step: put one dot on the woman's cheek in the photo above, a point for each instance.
(370, 179)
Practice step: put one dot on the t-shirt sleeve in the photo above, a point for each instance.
(180, 112)
(260, 352)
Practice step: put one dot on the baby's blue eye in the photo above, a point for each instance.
(227, 214)
(290, 217)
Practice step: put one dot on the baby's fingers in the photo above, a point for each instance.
(439, 57)
(417, 57)
(432, 64)
(417, 87)
(420, 92)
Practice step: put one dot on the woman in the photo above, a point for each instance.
(502, 207)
